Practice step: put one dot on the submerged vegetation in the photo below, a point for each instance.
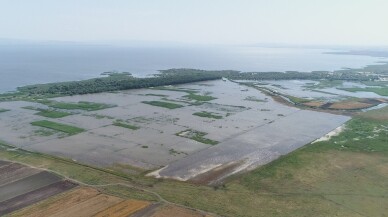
(87, 106)
(197, 97)
(48, 113)
(168, 105)
(125, 125)
(52, 114)
(197, 136)
(3, 110)
(71, 130)
(206, 114)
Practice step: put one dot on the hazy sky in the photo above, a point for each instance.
(339, 22)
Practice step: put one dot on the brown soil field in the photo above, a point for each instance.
(34, 196)
(169, 211)
(314, 104)
(3, 163)
(58, 203)
(123, 209)
(147, 211)
(350, 105)
(26, 185)
(89, 207)
(13, 172)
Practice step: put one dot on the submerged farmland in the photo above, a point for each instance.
(231, 133)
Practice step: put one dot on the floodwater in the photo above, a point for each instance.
(302, 89)
(251, 131)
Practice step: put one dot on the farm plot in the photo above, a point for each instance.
(35, 196)
(83, 201)
(90, 207)
(13, 171)
(21, 186)
(58, 203)
(123, 209)
(27, 184)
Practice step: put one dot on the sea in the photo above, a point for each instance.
(36, 63)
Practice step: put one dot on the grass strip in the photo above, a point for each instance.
(168, 105)
(206, 114)
(58, 127)
(124, 125)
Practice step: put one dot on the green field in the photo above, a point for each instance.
(206, 114)
(168, 105)
(198, 97)
(53, 114)
(71, 130)
(128, 126)
(87, 106)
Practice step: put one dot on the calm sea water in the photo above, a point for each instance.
(30, 64)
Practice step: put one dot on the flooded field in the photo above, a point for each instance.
(315, 90)
(204, 131)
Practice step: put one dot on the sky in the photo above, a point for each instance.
(310, 22)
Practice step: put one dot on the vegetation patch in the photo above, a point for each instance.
(297, 100)
(97, 116)
(86, 106)
(3, 110)
(44, 132)
(71, 130)
(175, 152)
(198, 97)
(48, 113)
(206, 114)
(168, 105)
(153, 94)
(125, 125)
(197, 136)
(52, 113)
